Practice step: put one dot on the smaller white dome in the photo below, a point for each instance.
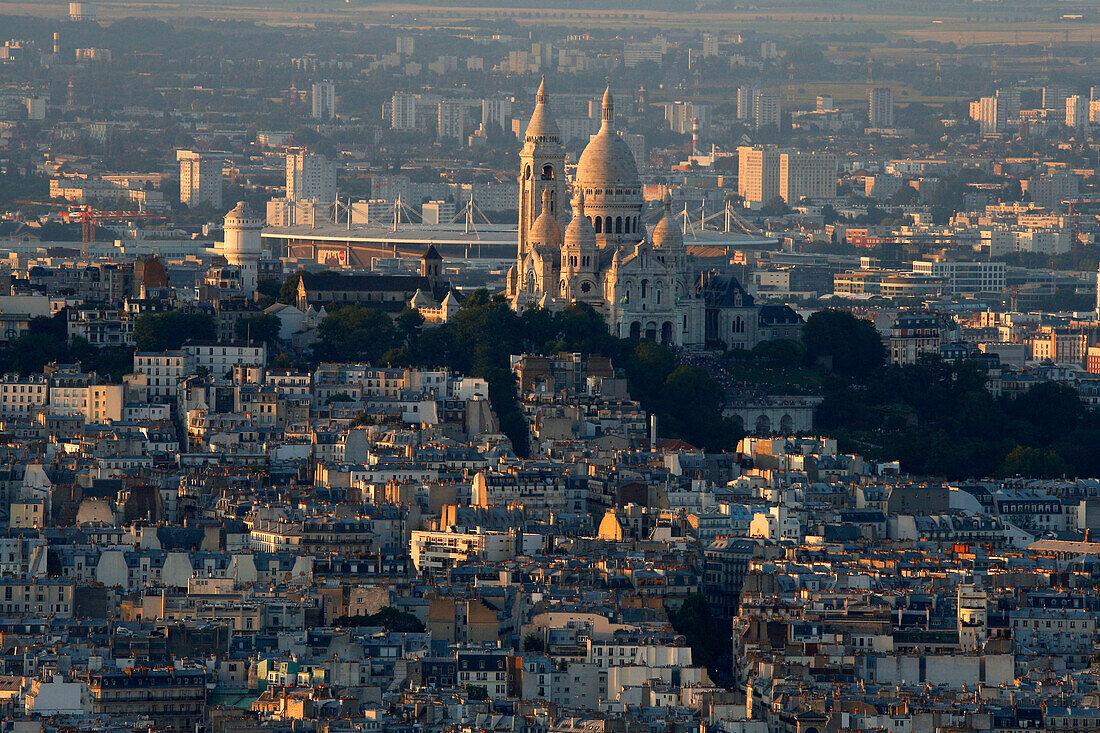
(667, 234)
(579, 234)
(545, 232)
(243, 216)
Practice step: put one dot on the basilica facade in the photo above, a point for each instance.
(595, 248)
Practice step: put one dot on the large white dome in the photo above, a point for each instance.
(607, 161)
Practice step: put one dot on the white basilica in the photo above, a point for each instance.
(644, 284)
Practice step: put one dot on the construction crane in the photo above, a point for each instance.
(90, 217)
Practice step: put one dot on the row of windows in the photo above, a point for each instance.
(1036, 624)
(614, 192)
(618, 225)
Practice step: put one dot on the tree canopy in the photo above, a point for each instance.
(169, 330)
(481, 336)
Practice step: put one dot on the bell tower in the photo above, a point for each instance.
(542, 168)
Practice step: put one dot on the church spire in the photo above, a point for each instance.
(608, 106)
(542, 128)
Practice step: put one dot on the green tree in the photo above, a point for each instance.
(782, 353)
(843, 343)
(1049, 409)
(904, 196)
(533, 643)
(169, 330)
(578, 327)
(648, 366)
(354, 333)
(691, 409)
(270, 288)
(288, 292)
(262, 327)
(775, 206)
(32, 351)
(695, 622)
(1032, 462)
(409, 324)
(388, 617)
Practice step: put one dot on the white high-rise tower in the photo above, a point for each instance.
(324, 100)
(241, 245)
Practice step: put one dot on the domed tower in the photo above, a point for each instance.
(242, 245)
(542, 165)
(579, 256)
(608, 175)
(668, 240)
(545, 249)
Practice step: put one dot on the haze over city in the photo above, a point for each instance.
(587, 367)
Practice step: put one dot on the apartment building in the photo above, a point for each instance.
(807, 176)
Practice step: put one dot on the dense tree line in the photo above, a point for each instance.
(389, 618)
(47, 341)
(709, 641)
(479, 339)
(167, 331)
(938, 417)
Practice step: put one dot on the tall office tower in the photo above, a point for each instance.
(452, 120)
(988, 112)
(241, 245)
(200, 178)
(310, 176)
(324, 100)
(1077, 112)
(1054, 97)
(680, 116)
(766, 108)
(82, 12)
(807, 176)
(881, 107)
(406, 45)
(403, 112)
(757, 174)
(710, 45)
(1009, 102)
(496, 112)
(746, 101)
